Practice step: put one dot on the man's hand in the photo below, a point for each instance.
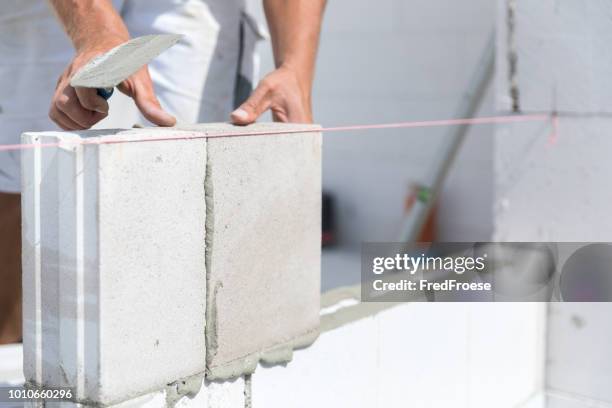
(75, 111)
(81, 108)
(95, 27)
(282, 93)
(295, 27)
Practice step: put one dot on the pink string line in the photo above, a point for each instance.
(191, 135)
(554, 134)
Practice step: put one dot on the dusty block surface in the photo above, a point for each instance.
(148, 262)
(263, 231)
(563, 58)
(553, 191)
(579, 363)
(558, 191)
(494, 357)
(193, 393)
(114, 264)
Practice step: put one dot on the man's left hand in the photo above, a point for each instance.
(281, 92)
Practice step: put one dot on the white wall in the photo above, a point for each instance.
(390, 61)
(466, 355)
(417, 355)
(559, 191)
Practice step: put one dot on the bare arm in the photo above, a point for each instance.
(95, 27)
(90, 23)
(295, 26)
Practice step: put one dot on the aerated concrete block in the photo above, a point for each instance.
(263, 227)
(553, 189)
(494, 357)
(193, 392)
(125, 238)
(114, 262)
(563, 58)
(579, 362)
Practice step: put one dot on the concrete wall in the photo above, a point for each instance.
(420, 355)
(11, 365)
(553, 55)
(121, 300)
(153, 257)
(390, 61)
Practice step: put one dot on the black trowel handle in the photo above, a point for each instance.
(105, 92)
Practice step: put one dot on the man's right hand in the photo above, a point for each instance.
(81, 108)
(95, 27)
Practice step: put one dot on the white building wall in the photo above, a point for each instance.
(557, 189)
(219, 268)
(417, 355)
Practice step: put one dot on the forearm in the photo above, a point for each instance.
(90, 24)
(295, 26)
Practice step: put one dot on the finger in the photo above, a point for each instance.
(69, 104)
(294, 109)
(141, 90)
(254, 107)
(63, 121)
(296, 115)
(291, 110)
(90, 100)
(151, 109)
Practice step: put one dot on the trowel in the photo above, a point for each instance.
(115, 66)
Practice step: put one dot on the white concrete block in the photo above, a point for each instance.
(553, 192)
(555, 399)
(563, 57)
(556, 191)
(11, 364)
(114, 265)
(537, 400)
(503, 98)
(195, 393)
(506, 354)
(339, 370)
(192, 393)
(227, 394)
(122, 237)
(579, 357)
(421, 354)
(264, 236)
(463, 354)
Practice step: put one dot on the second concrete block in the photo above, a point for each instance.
(263, 199)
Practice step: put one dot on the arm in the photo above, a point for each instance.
(90, 23)
(295, 26)
(94, 27)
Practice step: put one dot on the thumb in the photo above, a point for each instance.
(252, 108)
(140, 88)
(151, 109)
